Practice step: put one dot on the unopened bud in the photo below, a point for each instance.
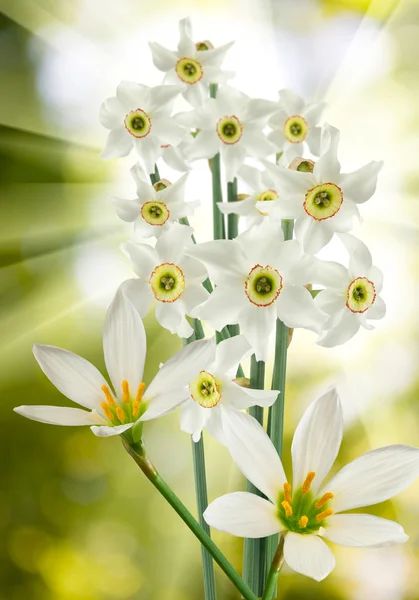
(205, 45)
(304, 165)
(161, 185)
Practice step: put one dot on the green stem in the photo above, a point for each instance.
(232, 220)
(276, 566)
(254, 549)
(137, 452)
(217, 194)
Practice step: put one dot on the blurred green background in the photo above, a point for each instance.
(77, 519)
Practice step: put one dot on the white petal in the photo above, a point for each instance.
(374, 477)
(327, 168)
(58, 415)
(105, 431)
(308, 555)
(296, 308)
(312, 112)
(124, 344)
(164, 403)
(239, 398)
(330, 274)
(342, 331)
(171, 316)
(363, 531)
(312, 234)
(171, 245)
(119, 143)
(186, 46)
(168, 131)
(331, 302)
(360, 260)
(253, 452)
(214, 56)
(317, 440)
(313, 140)
(197, 93)
(112, 113)
(360, 185)
(127, 210)
(289, 182)
(257, 324)
(257, 144)
(193, 418)
(175, 158)
(278, 139)
(131, 94)
(72, 375)
(252, 177)
(139, 294)
(375, 275)
(244, 515)
(241, 207)
(143, 258)
(230, 353)
(258, 109)
(213, 255)
(221, 308)
(214, 424)
(205, 145)
(163, 59)
(149, 149)
(233, 157)
(193, 296)
(377, 310)
(161, 95)
(293, 103)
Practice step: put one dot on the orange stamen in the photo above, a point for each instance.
(324, 514)
(287, 492)
(120, 414)
(307, 482)
(107, 410)
(108, 395)
(140, 392)
(303, 522)
(325, 498)
(287, 507)
(136, 408)
(125, 391)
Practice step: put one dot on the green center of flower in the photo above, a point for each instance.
(301, 511)
(229, 130)
(323, 201)
(138, 123)
(268, 196)
(295, 129)
(127, 409)
(155, 213)
(361, 295)
(167, 282)
(189, 70)
(263, 285)
(205, 390)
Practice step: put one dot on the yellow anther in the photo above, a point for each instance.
(303, 522)
(325, 498)
(120, 414)
(287, 492)
(287, 507)
(308, 481)
(108, 395)
(324, 514)
(136, 408)
(107, 410)
(140, 392)
(125, 391)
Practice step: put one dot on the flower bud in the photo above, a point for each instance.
(161, 185)
(205, 45)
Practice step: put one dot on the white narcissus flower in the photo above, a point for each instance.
(294, 125)
(325, 201)
(231, 124)
(258, 278)
(196, 65)
(113, 411)
(166, 274)
(351, 296)
(140, 117)
(213, 387)
(310, 510)
(156, 207)
(260, 202)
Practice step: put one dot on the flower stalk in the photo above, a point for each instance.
(232, 219)
(276, 566)
(217, 194)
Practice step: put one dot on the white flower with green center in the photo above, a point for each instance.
(156, 207)
(351, 296)
(258, 278)
(168, 277)
(231, 124)
(325, 201)
(196, 65)
(213, 387)
(111, 410)
(260, 202)
(140, 117)
(310, 509)
(294, 125)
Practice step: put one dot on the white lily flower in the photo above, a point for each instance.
(156, 207)
(140, 117)
(213, 387)
(168, 275)
(325, 201)
(196, 65)
(294, 125)
(113, 411)
(351, 296)
(309, 510)
(258, 278)
(260, 203)
(231, 124)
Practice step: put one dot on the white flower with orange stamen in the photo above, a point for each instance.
(231, 124)
(258, 278)
(156, 207)
(351, 296)
(325, 201)
(196, 65)
(169, 277)
(309, 510)
(294, 125)
(140, 117)
(113, 411)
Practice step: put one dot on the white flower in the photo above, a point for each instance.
(113, 411)
(309, 509)
(231, 124)
(351, 296)
(167, 275)
(294, 125)
(196, 65)
(325, 201)
(212, 387)
(260, 203)
(156, 207)
(140, 116)
(258, 278)
(176, 157)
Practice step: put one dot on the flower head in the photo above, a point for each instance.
(196, 65)
(309, 510)
(112, 409)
